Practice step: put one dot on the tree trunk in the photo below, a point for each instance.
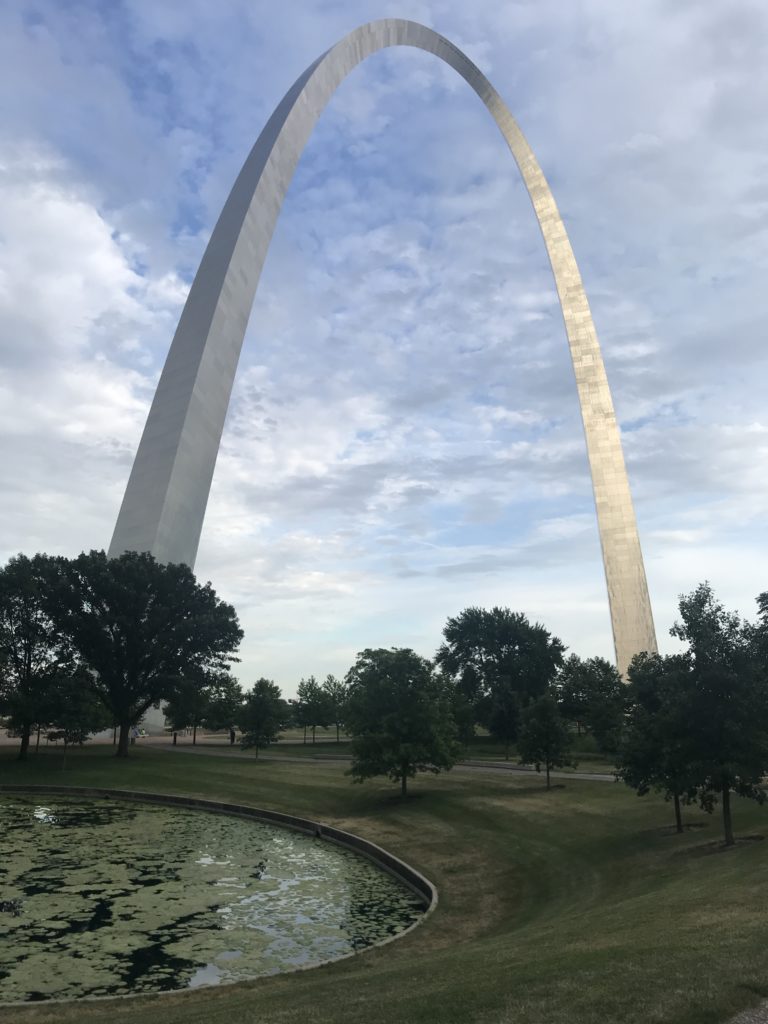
(64, 759)
(727, 823)
(26, 729)
(37, 742)
(678, 814)
(256, 750)
(506, 751)
(194, 734)
(548, 786)
(114, 734)
(122, 745)
(313, 734)
(403, 783)
(337, 733)
(305, 735)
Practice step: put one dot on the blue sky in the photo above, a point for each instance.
(404, 438)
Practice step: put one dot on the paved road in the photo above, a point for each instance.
(463, 766)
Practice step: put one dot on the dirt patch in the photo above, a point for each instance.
(718, 846)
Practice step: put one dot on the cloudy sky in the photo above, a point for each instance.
(404, 438)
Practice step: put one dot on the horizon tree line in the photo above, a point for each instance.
(90, 642)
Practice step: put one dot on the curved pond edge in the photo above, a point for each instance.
(383, 859)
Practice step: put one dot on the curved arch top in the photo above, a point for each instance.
(167, 492)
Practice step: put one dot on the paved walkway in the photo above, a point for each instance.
(468, 766)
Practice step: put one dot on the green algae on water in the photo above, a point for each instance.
(103, 897)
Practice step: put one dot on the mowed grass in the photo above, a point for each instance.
(575, 906)
(481, 748)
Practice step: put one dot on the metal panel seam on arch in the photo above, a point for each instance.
(165, 500)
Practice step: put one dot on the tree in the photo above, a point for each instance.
(33, 653)
(592, 689)
(544, 737)
(500, 714)
(463, 695)
(140, 627)
(572, 691)
(398, 716)
(335, 691)
(73, 710)
(504, 658)
(501, 646)
(313, 705)
(656, 750)
(262, 715)
(727, 705)
(225, 702)
(190, 703)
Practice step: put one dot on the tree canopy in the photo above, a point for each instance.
(727, 705)
(262, 714)
(501, 646)
(399, 717)
(224, 703)
(544, 737)
(140, 627)
(73, 711)
(335, 691)
(34, 655)
(656, 750)
(193, 701)
(501, 658)
(312, 707)
(591, 694)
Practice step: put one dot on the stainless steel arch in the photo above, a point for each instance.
(167, 492)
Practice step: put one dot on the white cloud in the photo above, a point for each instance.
(404, 438)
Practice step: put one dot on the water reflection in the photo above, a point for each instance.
(103, 897)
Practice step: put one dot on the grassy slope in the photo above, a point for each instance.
(572, 906)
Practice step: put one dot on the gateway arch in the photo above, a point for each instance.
(164, 504)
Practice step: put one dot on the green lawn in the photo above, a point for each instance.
(482, 748)
(570, 907)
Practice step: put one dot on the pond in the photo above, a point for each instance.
(102, 897)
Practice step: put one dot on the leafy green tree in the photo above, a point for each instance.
(594, 689)
(398, 716)
(261, 716)
(544, 737)
(500, 713)
(225, 701)
(73, 710)
(140, 627)
(190, 704)
(463, 696)
(756, 635)
(313, 707)
(572, 692)
(504, 658)
(656, 750)
(727, 705)
(502, 647)
(33, 653)
(335, 691)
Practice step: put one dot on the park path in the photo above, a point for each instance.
(492, 767)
